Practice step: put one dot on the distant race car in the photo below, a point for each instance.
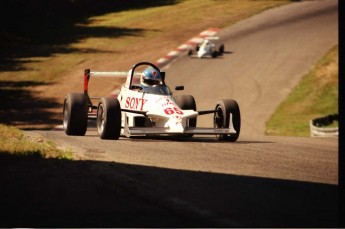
(207, 49)
(146, 106)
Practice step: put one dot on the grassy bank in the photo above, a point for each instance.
(43, 53)
(116, 38)
(315, 96)
(13, 142)
(49, 52)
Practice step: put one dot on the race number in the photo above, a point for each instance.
(170, 111)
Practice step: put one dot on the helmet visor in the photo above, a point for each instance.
(151, 81)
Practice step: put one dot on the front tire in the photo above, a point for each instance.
(222, 117)
(187, 102)
(109, 118)
(75, 114)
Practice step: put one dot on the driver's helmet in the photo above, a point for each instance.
(150, 77)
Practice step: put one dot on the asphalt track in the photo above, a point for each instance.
(259, 181)
(265, 57)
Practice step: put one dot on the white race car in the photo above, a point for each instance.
(145, 108)
(207, 49)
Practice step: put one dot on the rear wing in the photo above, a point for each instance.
(88, 73)
(112, 74)
(117, 74)
(211, 38)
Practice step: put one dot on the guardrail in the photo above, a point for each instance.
(317, 128)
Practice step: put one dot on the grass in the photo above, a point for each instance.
(120, 39)
(50, 55)
(315, 96)
(53, 60)
(14, 142)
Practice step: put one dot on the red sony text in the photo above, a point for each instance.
(135, 103)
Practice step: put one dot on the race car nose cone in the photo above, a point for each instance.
(175, 125)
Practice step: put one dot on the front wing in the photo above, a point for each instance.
(131, 131)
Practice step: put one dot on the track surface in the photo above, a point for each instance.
(265, 57)
(259, 180)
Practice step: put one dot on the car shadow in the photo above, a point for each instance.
(195, 138)
(92, 132)
(219, 56)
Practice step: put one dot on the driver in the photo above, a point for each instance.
(208, 46)
(150, 77)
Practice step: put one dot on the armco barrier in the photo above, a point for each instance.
(317, 128)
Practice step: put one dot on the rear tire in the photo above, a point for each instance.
(109, 118)
(75, 114)
(221, 49)
(187, 102)
(221, 118)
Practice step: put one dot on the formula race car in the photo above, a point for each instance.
(146, 106)
(207, 49)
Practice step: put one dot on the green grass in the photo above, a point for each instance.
(124, 37)
(315, 96)
(50, 53)
(14, 142)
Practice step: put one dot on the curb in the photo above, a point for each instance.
(172, 55)
(58, 128)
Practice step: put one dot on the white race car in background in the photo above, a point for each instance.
(137, 110)
(207, 49)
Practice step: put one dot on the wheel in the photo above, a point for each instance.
(190, 52)
(222, 117)
(187, 102)
(109, 118)
(197, 48)
(75, 114)
(221, 49)
(214, 54)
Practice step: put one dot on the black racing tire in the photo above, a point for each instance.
(187, 102)
(221, 49)
(197, 48)
(214, 54)
(222, 115)
(75, 114)
(109, 118)
(190, 52)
